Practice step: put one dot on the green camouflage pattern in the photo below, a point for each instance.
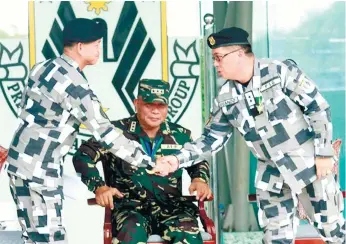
(133, 226)
(152, 204)
(154, 91)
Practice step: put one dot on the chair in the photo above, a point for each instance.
(3, 156)
(209, 236)
(307, 234)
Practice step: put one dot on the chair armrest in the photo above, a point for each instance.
(92, 201)
(3, 156)
(251, 198)
(207, 223)
(108, 211)
(107, 226)
(193, 199)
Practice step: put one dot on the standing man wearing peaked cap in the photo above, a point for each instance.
(286, 123)
(56, 100)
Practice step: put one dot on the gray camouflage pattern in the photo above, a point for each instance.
(56, 100)
(294, 125)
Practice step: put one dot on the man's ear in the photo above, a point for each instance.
(241, 53)
(135, 103)
(79, 48)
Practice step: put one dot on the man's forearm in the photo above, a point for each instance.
(322, 127)
(200, 171)
(93, 183)
(202, 149)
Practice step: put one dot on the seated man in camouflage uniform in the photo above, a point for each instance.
(146, 203)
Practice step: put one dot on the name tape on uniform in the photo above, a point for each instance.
(270, 84)
(228, 102)
(171, 146)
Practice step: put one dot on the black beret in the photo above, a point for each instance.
(83, 30)
(228, 37)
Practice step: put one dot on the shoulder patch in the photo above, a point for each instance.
(119, 123)
(289, 62)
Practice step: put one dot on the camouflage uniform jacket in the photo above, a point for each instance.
(56, 100)
(283, 118)
(140, 188)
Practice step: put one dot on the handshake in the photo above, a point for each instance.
(165, 165)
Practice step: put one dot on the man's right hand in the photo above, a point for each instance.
(104, 196)
(166, 165)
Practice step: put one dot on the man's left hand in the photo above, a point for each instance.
(202, 189)
(324, 166)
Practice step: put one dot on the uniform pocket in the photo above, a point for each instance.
(227, 103)
(232, 114)
(100, 115)
(275, 103)
(333, 192)
(47, 205)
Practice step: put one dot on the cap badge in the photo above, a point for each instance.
(212, 40)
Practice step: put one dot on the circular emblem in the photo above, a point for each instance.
(212, 40)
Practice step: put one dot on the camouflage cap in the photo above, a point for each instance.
(153, 91)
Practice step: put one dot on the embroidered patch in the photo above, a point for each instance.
(270, 84)
(171, 146)
(228, 102)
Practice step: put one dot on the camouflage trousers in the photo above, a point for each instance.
(39, 211)
(322, 201)
(131, 226)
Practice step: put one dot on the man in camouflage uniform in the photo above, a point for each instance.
(146, 203)
(56, 100)
(286, 123)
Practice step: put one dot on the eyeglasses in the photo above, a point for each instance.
(219, 58)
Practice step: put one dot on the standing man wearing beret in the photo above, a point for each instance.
(286, 123)
(56, 100)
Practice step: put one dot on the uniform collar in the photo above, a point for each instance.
(255, 82)
(256, 79)
(71, 62)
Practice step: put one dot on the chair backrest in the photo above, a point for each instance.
(106, 172)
